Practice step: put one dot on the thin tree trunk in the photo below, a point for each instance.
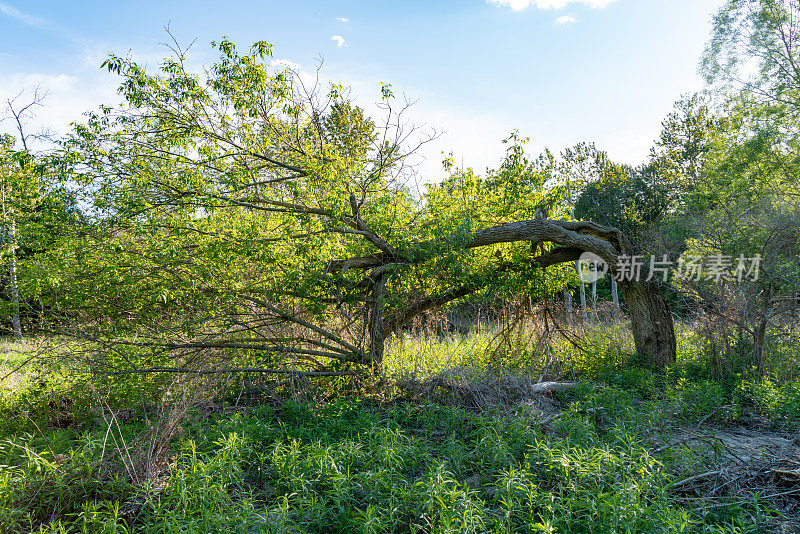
(568, 305)
(377, 309)
(15, 322)
(759, 337)
(582, 288)
(594, 299)
(760, 333)
(16, 327)
(577, 263)
(615, 298)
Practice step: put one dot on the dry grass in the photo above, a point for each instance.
(740, 462)
(490, 389)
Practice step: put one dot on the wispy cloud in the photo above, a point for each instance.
(565, 19)
(287, 64)
(15, 13)
(68, 95)
(519, 5)
(339, 40)
(305, 77)
(39, 23)
(342, 19)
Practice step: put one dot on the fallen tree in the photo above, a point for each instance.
(651, 320)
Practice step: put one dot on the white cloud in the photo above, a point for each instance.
(15, 13)
(307, 78)
(339, 40)
(519, 5)
(68, 96)
(287, 64)
(565, 19)
(342, 19)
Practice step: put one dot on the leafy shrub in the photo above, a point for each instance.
(779, 403)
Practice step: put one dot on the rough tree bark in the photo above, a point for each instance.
(651, 322)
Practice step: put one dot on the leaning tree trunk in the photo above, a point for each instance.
(651, 322)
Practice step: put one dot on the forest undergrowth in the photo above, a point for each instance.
(453, 440)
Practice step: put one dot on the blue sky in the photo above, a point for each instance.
(560, 71)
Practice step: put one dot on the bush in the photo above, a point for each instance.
(779, 404)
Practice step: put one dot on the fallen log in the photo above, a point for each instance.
(549, 387)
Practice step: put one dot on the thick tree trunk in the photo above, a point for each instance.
(651, 322)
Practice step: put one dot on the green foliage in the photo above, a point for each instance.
(778, 403)
(359, 465)
(422, 356)
(629, 199)
(351, 466)
(754, 46)
(37, 214)
(56, 476)
(695, 400)
(212, 198)
(464, 202)
(218, 198)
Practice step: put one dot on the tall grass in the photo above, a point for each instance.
(589, 350)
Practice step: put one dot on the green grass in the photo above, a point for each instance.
(358, 466)
(361, 466)
(603, 346)
(425, 356)
(13, 357)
